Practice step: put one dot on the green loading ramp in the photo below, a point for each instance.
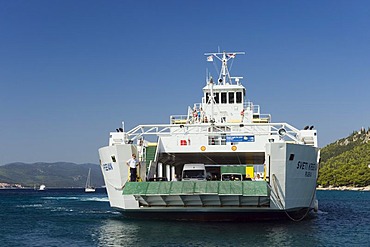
(200, 193)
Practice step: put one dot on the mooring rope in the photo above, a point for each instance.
(286, 212)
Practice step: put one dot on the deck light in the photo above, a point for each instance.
(282, 132)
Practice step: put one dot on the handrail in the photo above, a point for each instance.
(215, 129)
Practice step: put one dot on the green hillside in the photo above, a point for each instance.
(346, 161)
(59, 174)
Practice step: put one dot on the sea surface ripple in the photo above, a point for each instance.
(70, 217)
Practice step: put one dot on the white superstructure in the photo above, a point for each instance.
(228, 134)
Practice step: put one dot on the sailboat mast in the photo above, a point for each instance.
(88, 179)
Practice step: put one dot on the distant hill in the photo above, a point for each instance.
(59, 174)
(343, 163)
(346, 161)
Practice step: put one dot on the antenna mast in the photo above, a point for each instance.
(224, 76)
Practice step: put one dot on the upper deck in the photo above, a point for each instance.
(223, 101)
(223, 112)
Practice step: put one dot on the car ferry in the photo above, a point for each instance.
(223, 160)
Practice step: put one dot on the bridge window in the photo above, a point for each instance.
(239, 98)
(207, 98)
(217, 99)
(231, 98)
(223, 98)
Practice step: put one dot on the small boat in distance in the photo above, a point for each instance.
(88, 187)
(42, 187)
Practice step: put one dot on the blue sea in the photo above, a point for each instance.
(70, 217)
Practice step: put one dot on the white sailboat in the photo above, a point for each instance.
(88, 187)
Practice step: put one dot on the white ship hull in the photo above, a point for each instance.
(290, 190)
(227, 135)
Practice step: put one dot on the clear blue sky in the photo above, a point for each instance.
(71, 71)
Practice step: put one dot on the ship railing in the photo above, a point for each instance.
(179, 119)
(283, 131)
(262, 118)
(190, 118)
(250, 105)
(197, 106)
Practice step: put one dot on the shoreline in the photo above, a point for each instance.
(343, 188)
